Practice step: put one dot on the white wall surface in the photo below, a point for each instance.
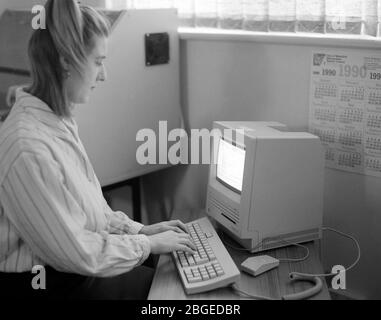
(227, 80)
(18, 4)
(26, 4)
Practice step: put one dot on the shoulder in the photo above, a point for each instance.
(20, 130)
(22, 143)
(20, 134)
(31, 131)
(30, 121)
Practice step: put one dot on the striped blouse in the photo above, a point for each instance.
(52, 210)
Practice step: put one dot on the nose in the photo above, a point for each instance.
(102, 75)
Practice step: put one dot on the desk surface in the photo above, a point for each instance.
(273, 284)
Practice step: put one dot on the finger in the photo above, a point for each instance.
(182, 226)
(185, 248)
(179, 224)
(190, 244)
(176, 229)
(185, 236)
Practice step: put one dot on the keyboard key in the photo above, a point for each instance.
(188, 273)
(184, 263)
(205, 276)
(212, 257)
(203, 260)
(220, 272)
(196, 272)
(195, 279)
(198, 260)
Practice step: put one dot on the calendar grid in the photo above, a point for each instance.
(345, 110)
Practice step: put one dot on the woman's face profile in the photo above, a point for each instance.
(79, 86)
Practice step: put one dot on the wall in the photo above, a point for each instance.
(27, 4)
(224, 80)
(18, 4)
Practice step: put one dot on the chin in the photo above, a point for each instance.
(83, 100)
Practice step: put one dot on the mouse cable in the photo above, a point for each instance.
(294, 276)
(305, 257)
(345, 269)
(261, 243)
(295, 259)
(240, 292)
(318, 285)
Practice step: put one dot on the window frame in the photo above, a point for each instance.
(289, 38)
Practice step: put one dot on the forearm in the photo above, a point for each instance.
(120, 223)
(112, 255)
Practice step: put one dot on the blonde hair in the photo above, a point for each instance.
(70, 33)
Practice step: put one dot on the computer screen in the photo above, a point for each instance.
(230, 165)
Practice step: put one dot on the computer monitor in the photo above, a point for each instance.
(265, 185)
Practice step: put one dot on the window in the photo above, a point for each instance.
(359, 17)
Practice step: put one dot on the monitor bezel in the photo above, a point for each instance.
(220, 180)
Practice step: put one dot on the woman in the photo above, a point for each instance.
(52, 211)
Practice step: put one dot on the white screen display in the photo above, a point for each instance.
(230, 164)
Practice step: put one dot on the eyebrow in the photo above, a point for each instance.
(101, 57)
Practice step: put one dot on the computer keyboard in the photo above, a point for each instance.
(211, 267)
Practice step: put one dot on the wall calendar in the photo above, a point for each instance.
(345, 110)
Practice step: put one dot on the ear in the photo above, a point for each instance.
(64, 63)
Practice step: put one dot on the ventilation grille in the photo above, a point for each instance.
(226, 211)
(289, 238)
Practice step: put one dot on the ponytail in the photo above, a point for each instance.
(65, 24)
(70, 33)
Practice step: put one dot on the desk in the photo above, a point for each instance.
(275, 283)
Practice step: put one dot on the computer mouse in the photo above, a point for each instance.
(259, 264)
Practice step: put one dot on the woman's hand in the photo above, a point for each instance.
(174, 225)
(169, 241)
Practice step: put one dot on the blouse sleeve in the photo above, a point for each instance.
(120, 223)
(49, 219)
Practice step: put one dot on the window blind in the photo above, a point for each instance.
(360, 17)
